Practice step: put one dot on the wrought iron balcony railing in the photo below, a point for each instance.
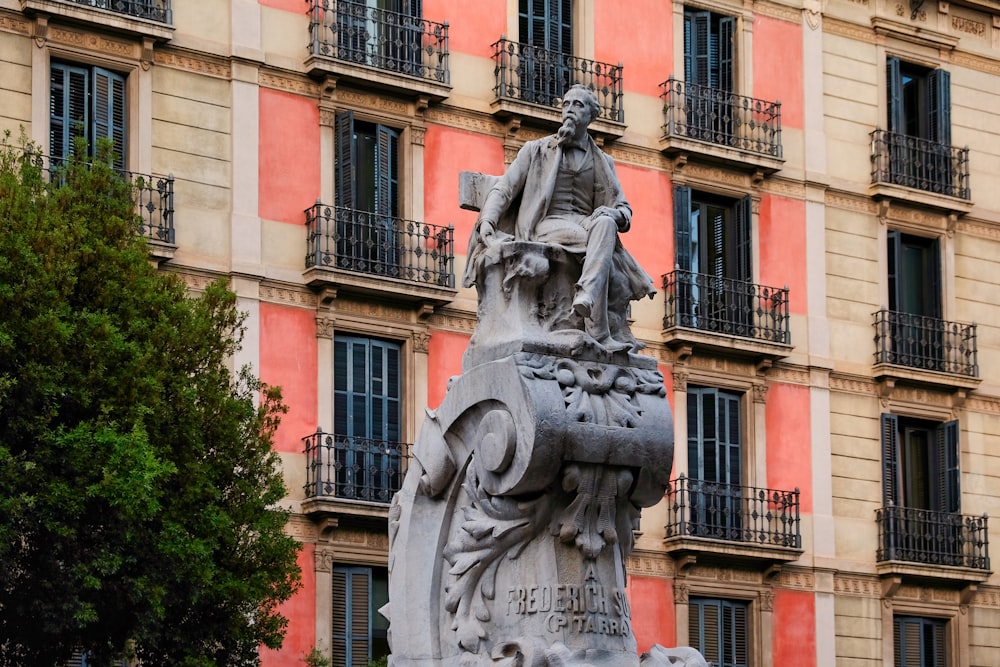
(340, 466)
(153, 10)
(354, 32)
(529, 74)
(721, 117)
(720, 305)
(153, 196)
(932, 538)
(925, 343)
(761, 517)
(898, 159)
(374, 244)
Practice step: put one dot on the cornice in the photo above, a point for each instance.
(199, 63)
(287, 82)
(14, 23)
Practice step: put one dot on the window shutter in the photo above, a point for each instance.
(703, 447)
(895, 263)
(727, 53)
(387, 172)
(894, 95)
(346, 160)
(351, 629)
(735, 633)
(703, 59)
(109, 112)
(947, 469)
(939, 106)
(890, 449)
(730, 436)
(744, 239)
(932, 278)
(939, 651)
(69, 107)
(682, 227)
(565, 28)
(341, 617)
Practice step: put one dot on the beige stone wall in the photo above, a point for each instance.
(15, 76)
(858, 623)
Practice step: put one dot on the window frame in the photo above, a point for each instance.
(695, 601)
(945, 453)
(742, 58)
(116, 103)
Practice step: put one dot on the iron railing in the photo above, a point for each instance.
(153, 197)
(341, 466)
(733, 513)
(933, 538)
(721, 305)
(529, 74)
(927, 343)
(721, 117)
(898, 159)
(370, 243)
(353, 32)
(154, 10)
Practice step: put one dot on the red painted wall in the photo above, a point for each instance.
(470, 32)
(783, 247)
(788, 456)
(794, 641)
(651, 238)
(296, 6)
(444, 360)
(777, 66)
(289, 155)
(653, 619)
(644, 47)
(300, 611)
(288, 358)
(448, 152)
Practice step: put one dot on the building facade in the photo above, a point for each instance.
(816, 186)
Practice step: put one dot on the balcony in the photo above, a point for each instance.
(920, 171)
(715, 521)
(725, 315)
(530, 83)
(368, 253)
(925, 544)
(925, 349)
(720, 126)
(153, 197)
(371, 46)
(359, 475)
(139, 18)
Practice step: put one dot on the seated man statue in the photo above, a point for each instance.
(563, 190)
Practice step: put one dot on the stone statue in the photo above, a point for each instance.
(563, 190)
(509, 536)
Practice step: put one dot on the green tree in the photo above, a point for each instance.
(138, 484)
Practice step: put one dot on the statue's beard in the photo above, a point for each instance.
(567, 131)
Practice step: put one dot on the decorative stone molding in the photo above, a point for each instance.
(680, 593)
(421, 341)
(417, 134)
(325, 326)
(15, 24)
(323, 559)
(680, 380)
(92, 42)
(199, 65)
(767, 600)
(760, 394)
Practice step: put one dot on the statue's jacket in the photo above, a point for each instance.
(515, 207)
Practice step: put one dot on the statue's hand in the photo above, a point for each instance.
(612, 213)
(490, 235)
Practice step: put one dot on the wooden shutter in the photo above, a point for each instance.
(69, 107)
(109, 111)
(345, 160)
(890, 460)
(744, 239)
(727, 53)
(946, 467)
(939, 106)
(895, 263)
(719, 629)
(682, 227)
(894, 95)
(387, 172)
(351, 628)
(730, 438)
(734, 632)
(699, 58)
(919, 642)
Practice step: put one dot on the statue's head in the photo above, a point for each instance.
(579, 92)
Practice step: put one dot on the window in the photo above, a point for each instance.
(920, 492)
(367, 417)
(359, 632)
(718, 629)
(919, 642)
(714, 259)
(916, 330)
(367, 195)
(382, 33)
(715, 451)
(87, 102)
(546, 33)
(709, 75)
(919, 121)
